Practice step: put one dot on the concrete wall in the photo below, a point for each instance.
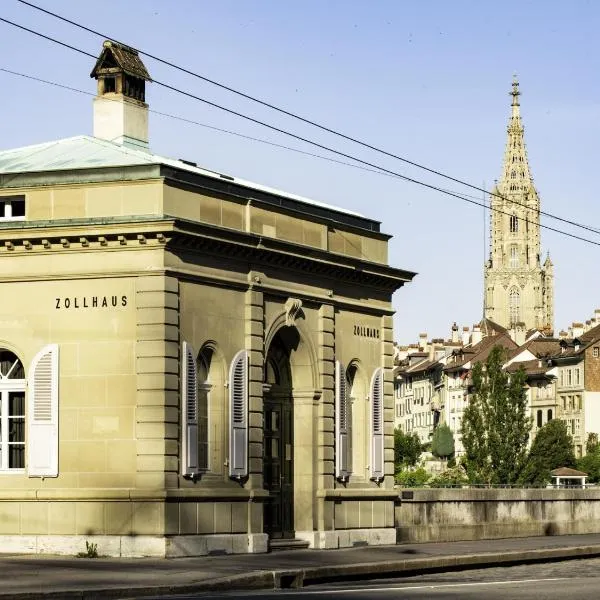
(434, 515)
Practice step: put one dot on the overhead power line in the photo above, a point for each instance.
(301, 118)
(207, 126)
(329, 149)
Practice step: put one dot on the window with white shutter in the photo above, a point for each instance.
(189, 412)
(377, 445)
(238, 416)
(343, 468)
(42, 414)
(12, 412)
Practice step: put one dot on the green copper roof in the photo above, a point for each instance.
(86, 152)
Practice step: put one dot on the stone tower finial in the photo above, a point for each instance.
(515, 93)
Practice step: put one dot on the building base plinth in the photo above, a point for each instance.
(348, 538)
(135, 546)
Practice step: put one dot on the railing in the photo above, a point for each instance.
(501, 486)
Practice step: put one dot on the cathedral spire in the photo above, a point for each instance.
(518, 288)
(516, 176)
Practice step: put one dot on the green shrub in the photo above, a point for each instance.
(415, 478)
(453, 477)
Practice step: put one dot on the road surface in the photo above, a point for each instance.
(577, 579)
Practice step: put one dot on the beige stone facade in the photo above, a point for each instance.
(170, 341)
(518, 288)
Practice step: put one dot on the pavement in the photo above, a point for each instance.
(42, 576)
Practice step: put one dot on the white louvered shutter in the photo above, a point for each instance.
(343, 468)
(42, 414)
(238, 416)
(377, 446)
(189, 413)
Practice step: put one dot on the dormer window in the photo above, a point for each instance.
(12, 208)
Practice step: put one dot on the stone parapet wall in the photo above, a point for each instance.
(435, 515)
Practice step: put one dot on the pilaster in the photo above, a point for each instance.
(387, 351)
(254, 343)
(325, 467)
(157, 368)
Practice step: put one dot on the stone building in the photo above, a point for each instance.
(577, 373)
(518, 288)
(189, 362)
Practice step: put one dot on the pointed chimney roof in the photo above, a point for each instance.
(118, 57)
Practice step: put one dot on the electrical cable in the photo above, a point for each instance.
(303, 119)
(332, 150)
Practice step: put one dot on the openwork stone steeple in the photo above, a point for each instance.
(519, 291)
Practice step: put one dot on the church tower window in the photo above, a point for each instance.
(514, 257)
(514, 224)
(514, 306)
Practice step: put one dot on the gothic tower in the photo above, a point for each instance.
(519, 290)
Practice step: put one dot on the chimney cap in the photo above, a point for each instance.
(118, 56)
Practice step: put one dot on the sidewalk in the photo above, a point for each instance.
(46, 577)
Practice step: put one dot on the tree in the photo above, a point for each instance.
(496, 425)
(590, 464)
(442, 442)
(551, 448)
(407, 449)
(591, 443)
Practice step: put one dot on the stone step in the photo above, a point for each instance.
(279, 544)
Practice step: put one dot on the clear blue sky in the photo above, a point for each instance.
(427, 80)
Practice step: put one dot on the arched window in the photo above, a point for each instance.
(514, 224)
(549, 414)
(12, 412)
(514, 306)
(539, 418)
(204, 386)
(359, 418)
(204, 408)
(514, 257)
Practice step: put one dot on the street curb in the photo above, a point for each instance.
(296, 578)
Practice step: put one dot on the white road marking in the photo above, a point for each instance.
(428, 586)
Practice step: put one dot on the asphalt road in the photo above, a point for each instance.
(578, 579)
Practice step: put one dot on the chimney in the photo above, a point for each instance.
(423, 342)
(476, 335)
(465, 336)
(576, 330)
(597, 316)
(454, 333)
(120, 110)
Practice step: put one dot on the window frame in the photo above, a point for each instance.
(6, 203)
(8, 385)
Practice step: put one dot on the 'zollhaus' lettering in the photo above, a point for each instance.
(91, 302)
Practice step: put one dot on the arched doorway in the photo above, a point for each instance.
(278, 442)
